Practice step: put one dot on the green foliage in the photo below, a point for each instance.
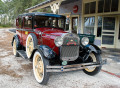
(5, 26)
(15, 7)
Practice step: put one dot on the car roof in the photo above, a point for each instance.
(41, 14)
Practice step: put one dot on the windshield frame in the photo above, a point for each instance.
(62, 17)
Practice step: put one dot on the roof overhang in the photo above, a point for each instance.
(44, 4)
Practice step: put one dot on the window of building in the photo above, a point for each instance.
(89, 23)
(27, 22)
(114, 5)
(107, 5)
(109, 40)
(87, 5)
(100, 6)
(90, 7)
(74, 24)
(109, 23)
(99, 29)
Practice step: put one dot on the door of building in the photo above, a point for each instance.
(74, 24)
(108, 32)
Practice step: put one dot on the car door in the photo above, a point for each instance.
(27, 28)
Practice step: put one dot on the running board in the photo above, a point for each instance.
(22, 53)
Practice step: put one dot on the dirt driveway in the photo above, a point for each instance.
(16, 72)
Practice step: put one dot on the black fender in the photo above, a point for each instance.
(94, 48)
(46, 50)
(17, 41)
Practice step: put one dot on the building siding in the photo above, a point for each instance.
(68, 8)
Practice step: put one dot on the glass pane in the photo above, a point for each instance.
(27, 22)
(108, 32)
(19, 22)
(87, 5)
(92, 7)
(99, 29)
(100, 6)
(114, 5)
(74, 24)
(108, 40)
(46, 21)
(107, 5)
(89, 25)
(109, 23)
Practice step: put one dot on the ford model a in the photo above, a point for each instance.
(41, 38)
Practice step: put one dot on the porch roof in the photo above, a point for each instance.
(40, 4)
(47, 3)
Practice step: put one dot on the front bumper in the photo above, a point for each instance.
(73, 67)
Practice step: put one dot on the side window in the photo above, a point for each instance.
(28, 22)
(19, 22)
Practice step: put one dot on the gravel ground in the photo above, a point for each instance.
(16, 72)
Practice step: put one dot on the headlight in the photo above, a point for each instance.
(58, 41)
(85, 41)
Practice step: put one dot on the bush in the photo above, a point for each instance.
(5, 26)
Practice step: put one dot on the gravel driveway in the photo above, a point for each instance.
(16, 72)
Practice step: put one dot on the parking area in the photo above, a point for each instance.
(16, 72)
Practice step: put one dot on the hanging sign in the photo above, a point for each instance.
(75, 9)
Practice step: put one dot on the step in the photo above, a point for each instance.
(22, 53)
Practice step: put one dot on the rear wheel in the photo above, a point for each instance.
(15, 48)
(39, 68)
(31, 42)
(93, 70)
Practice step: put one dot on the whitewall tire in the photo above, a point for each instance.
(39, 68)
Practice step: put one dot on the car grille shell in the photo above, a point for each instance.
(70, 48)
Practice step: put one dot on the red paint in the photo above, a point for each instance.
(48, 36)
(75, 9)
(111, 73)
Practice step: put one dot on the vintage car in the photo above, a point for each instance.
(41, 37)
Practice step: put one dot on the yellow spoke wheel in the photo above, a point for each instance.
(31, 42)
(39, 68)
(93, 70)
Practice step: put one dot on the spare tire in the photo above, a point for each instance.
(31, 42)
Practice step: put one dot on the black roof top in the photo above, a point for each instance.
(41, 14)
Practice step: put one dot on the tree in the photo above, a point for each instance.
(15, 7)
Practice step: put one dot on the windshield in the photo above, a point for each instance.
(45, 21)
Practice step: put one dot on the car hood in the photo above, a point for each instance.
(52, 31)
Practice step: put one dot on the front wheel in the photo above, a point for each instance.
(93, 70)
(39, 68)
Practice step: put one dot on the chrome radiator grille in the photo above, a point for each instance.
(69, 51)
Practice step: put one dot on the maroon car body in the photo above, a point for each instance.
(42, 37)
